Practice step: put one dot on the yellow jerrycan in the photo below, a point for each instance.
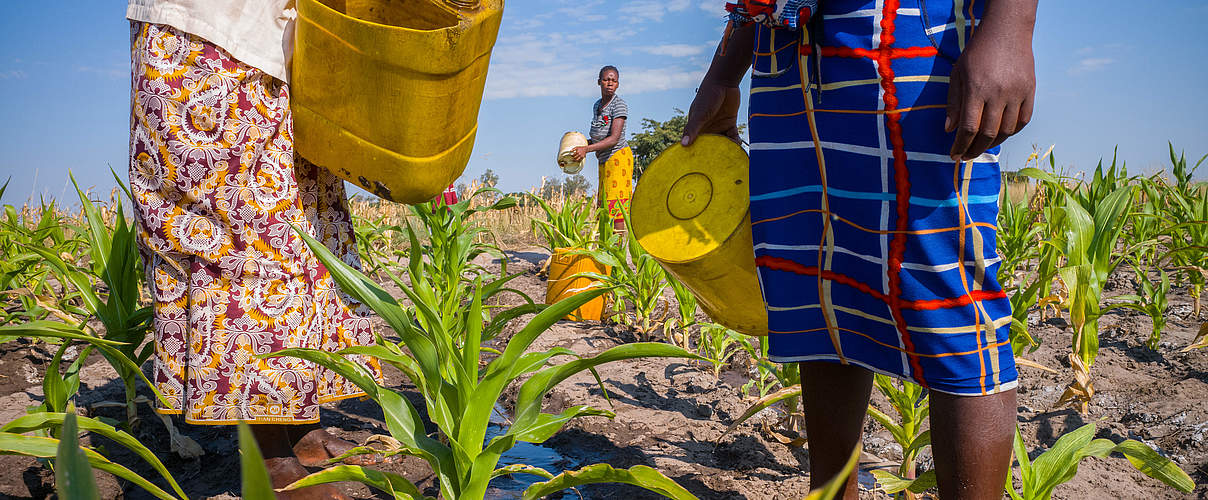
(385, 93)
(691, 213)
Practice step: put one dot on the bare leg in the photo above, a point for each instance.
(971, 438)
(284, 468)
(314, 446)
(273, 440)
(835, 397)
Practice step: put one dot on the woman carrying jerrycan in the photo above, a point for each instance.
(873, 179)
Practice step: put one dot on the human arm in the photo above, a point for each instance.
(614, 136)
(715, 108)
(993, 84)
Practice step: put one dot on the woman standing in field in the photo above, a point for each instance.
(217, 192)
(607, 140)
(874, 181)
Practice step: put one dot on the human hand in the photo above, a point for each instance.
(991, 91)
(713, 111)
(579, 152)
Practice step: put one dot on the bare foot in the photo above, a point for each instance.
(285, 470)
(318, 446)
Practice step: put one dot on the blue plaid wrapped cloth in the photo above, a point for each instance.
(874, 248)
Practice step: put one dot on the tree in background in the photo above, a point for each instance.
(489, 178)
(576, 184)
(654, 138)
(657, 136)
(567, 185)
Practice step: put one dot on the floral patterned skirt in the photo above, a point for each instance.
(216, 188)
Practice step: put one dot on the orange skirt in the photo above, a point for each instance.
(616, 182)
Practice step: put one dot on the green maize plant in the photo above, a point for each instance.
(686, 306)
(443, 360)
(568, 227)
(1091, 221)
(1149, 224)
(1059, 464)
(1186, 208)
(69, 473)
(59, 387)
(73, 474)
(1190, 252)
(788, 376)
(115, 263)
(635, 277)
(22, 274)
(764, 376)
(1151, 301)
(1018, 243)
(443, 270)
(718, 345)
(1018, 237)
(912, 406)
(1042, 203)
(1184, 184)
(374, 243)
(1025, 297)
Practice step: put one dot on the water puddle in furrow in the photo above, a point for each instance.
(536, 455)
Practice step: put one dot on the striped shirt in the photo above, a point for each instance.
(601, 124)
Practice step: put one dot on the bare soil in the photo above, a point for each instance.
(670, 414)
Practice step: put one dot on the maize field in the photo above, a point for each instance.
(490, 393)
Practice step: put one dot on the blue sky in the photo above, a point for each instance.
(1110, 73)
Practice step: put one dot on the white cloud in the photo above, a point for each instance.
(651, 10)
(714, 6)
(507, 82)
(645, 80)
(564, 61)
(675, 49)
(1093, 58)
(1089, 64)
(526, 24)
(115, 72)
(566, 65)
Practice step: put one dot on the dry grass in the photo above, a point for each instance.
(1017, 191)
(510, 228)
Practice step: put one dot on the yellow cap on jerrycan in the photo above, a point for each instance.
(385, 93)
(691, 213)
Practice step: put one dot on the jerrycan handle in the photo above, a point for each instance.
(464, 4)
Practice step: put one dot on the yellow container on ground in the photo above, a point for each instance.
(691, 213)
(562, 283)
(385, 93)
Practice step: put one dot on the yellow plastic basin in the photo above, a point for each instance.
(563, 283)
(385, 93)
(690, 212)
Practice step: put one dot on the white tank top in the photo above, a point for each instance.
(259, 33)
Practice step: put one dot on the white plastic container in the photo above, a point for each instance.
(566, 153)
